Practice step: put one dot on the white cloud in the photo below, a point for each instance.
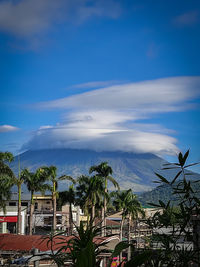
(102, 138)
(30, 17)
(110, 118)
(162, 95)
(7, 128)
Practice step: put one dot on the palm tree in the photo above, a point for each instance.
(35, 182)
(90, 192)
(126, 202)
(19, 181)
(95, 195)
(69, 196)
(11, 180)
(6, 178)
(104, 171)
(120, 202)
(51, 172)
(81, 193)
(133, 211)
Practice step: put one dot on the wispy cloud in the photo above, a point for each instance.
(187, 19)
(110, 118)
(96, 84)
(27, 18)
(162, 95)
(8, 128)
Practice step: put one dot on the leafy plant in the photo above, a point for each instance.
(82, 249)
(173, 224)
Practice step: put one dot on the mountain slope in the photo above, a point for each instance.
(131, 170)
(165, 193)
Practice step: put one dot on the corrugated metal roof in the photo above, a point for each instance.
(13, 242)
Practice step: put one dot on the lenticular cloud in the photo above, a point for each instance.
(110, 118)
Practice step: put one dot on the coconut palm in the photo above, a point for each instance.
(9, 179)
(68, 196)
(90, 192)
(126, 202)
(134, 209)
(6, 178)
(35, 182)
(104, 171)
(51, 172)
(95, 195)
(18, 182)
(81, 193)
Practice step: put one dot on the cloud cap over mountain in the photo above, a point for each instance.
(118, 117)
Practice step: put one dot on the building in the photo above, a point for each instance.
(8, 220)
(36, 248)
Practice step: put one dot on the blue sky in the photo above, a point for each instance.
(101, 74)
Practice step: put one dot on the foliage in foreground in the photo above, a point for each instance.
(81, 250)
(165, 248)
(173, 228)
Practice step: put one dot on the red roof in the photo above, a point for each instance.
(108, 222)
(12, 242)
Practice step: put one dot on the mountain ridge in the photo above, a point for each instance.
(131, 170)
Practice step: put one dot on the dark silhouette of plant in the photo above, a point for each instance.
(173, 224)
(82, 249)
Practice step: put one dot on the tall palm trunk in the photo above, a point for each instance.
(129, 237)
(121, 236)
(31, 215)
(19, 219)
(105, 209)
(92, 218)
(70, 219)
(102, 221)
(54, 211)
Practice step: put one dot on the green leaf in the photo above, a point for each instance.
(170, 168)
(162, 204)
(180, 159)
(185, 157)
(153, 204)
(192, 164)
(139, 259)
(176, 177)
(119, 247)
(163, 179)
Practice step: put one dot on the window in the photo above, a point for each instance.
(12, 204)
(36, 205)
(24, 204)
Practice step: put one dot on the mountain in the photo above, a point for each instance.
(131, 170)
(165, 193)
